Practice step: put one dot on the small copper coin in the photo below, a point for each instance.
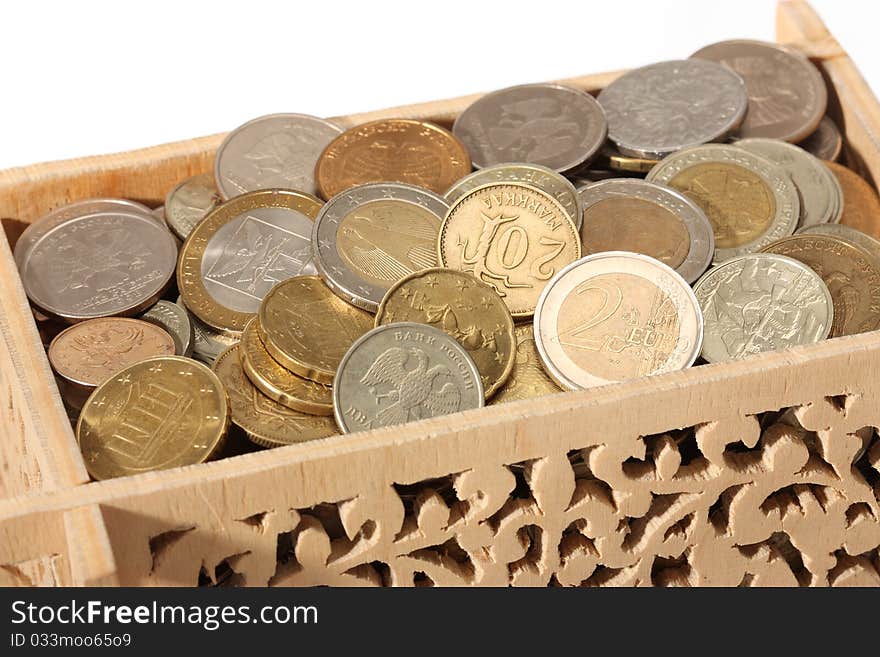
(861, 205)
(825, 142)
(392, 150)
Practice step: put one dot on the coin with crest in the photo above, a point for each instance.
(190, 202)
(403, 372)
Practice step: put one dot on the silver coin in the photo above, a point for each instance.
(100, 264)
(549, 124)
(662, 108)
(159, 213)
(761, 302)
(669, 202)
(207, 343)
(401, 372)
(847, 233)
(370, 236)
(547, 180)
(189, 202)
(175, 320)
(47, 222)
(825, 142)
(819, 195)
(278, 151)
(734, 178)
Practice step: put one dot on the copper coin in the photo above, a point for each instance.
(861, 205)
(825, 142)
(787, 95)
(392, 150)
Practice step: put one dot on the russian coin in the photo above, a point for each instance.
(627, 164)
(825, 142)
(851, 274)
(175, 320)
(628, 214)
(90, 352)
(190, 202)
(207, 342)
(241, 249)
(100, 264)
(463, 307)
(392, 150)
(549, 124)
(656, 110)
(278, 383)
(528, 378)
(369, 237)
(307, 328)
(535, 175)
(160, 413)
(265, 421)
(402, 372)
(749, 201)
(512, 237)
(861, 206)
(615, 316)
(787, 95)
(846, 233)
(820, 195)
(761, 302)
(278, 151)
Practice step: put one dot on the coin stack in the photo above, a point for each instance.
(331, 279)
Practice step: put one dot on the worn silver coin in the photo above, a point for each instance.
(402, 372)
(369, 237)
(207, 342)
(549, 124)
(100, 264)
(175, 320)
(278, 151)
(825, 142)
(189, 202)
(656, 110)
(547, 180)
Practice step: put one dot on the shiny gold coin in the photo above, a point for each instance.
(851, 274)
(617, 161)
(511, 236)
(462, 307)
(528, 378)
(278, 383)
(308, 329)
(159, 413)
(266, 422)
(861, 205)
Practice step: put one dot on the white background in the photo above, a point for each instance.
(88, 77)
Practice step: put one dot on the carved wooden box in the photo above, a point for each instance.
(748, 473)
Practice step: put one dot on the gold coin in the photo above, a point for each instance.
(861, 205)
(511, 236)
(528, 378)
(276, 382)
(851, 274)
(160, 413)
(462, 307)
(234, 256)
(265, 422)
(308, 329)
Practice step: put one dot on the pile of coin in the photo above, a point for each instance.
(330, 279)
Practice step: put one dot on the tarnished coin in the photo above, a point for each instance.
(278, 383)
(241, 249)
(100, 264)
(761, 302)
(511, 236)
(190, 202)
(265, 421)
(534, 175)
(307, 328)
(549, 124)
(528, 378)
(392, 150)
(403, 372)
(90, 352)
(278, 151)
(820, 194)
(463, 307)
(610, 157)
(846, 233)
(208, 342)
(787, 95)
(615, 316)
(749, 201)
(369, 237)
(851, 274)
(861, 205)
(175, 320)
(825, 142)
(658, 109)
(627, 214)
(159, 413)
